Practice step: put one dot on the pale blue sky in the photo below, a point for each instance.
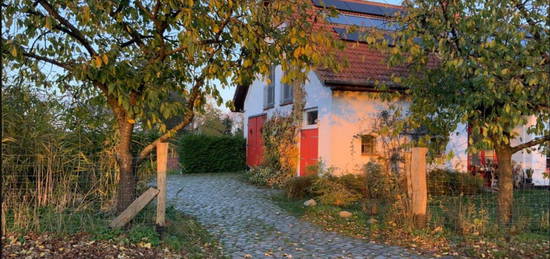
(227, 93)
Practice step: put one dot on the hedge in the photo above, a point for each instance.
(209, 154)
(449, 182)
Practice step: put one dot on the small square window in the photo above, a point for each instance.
(311, 117)
(368, 145)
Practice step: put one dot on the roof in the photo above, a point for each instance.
(365, 65)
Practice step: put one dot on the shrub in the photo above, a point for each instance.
(201, 153)
(354, 182)
(267, 176)
(331, 191)
(259, 175)
(448, 182)
(280, 148)
(300, 187)
(378, 184)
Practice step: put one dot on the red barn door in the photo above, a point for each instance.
(255, 143)
(308, 150)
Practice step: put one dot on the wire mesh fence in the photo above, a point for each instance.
(65, 185)
(467, 203)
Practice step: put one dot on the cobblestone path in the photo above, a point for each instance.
(249, 225)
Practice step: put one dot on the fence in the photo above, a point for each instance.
(464, 203)
(32, 184)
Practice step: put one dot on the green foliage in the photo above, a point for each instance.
(380, 184)
(330, 191)
(300, 187)
(151, 61)
(142, 233)
(448, 182)
(492, 67)
(208, 154)
(280, 147)
(138, 56)
(260, 175)
(212, 122)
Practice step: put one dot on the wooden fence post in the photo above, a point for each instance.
(418, 191)
(162, 165)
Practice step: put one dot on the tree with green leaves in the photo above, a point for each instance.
(135, 53)
(481, 63)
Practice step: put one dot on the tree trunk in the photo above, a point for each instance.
(505, 183)
(127, 165)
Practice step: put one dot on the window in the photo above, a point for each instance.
(311, 117)
(368, 145)
(269, 91)
(286, 94)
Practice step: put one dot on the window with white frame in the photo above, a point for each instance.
(311, 117)
(269, 90)
(286, 94)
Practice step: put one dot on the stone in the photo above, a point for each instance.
(372, 221)
(247, 222)
(345, 214)
(310, 203)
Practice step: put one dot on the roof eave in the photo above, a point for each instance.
(362, 85)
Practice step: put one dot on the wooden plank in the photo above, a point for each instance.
(134, 208)
(162, 165)
(418, 186)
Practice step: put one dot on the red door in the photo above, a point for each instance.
(255, 145)
(308, 150)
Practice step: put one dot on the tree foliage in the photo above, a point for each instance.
(135, 53)
(481, 63)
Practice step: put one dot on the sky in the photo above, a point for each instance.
(227, 93)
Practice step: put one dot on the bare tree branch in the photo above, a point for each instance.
(534, 142)
(48, 60)
(72, 30)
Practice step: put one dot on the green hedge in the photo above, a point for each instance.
(448, 182)
(209, 154)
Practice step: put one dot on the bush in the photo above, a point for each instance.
(267, 176)
(300, 187)
(448, 182)
(354, 182)
(331, 191)
(379, 184)
(259, 175)
(208, 154)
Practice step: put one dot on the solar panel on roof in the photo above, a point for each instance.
(363, 22)
(359, 36)
(364, 8)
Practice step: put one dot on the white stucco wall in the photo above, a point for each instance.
(317, 96)
(342, 115)
(354, 113)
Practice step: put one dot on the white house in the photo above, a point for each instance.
(341, 107)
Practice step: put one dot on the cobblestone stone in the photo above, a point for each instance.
(248, 223)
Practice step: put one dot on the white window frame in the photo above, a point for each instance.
(286, 99)
(269, 91)
(305, 121)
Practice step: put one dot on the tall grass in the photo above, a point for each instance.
(56, 161)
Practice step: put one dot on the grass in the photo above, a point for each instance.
(183, 234)
(441, 237)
